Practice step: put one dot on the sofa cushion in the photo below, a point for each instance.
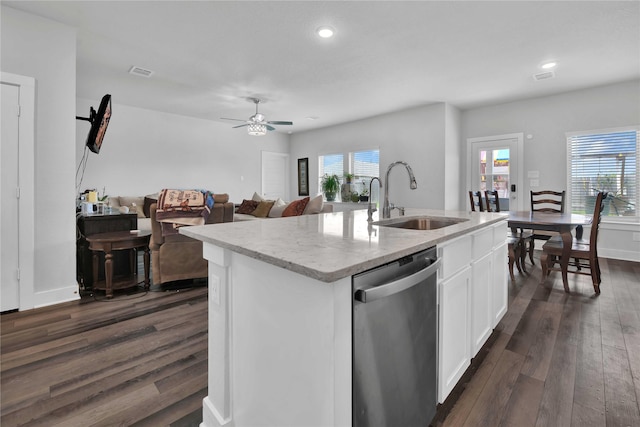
(263, 208)
(248, 206)
(314, 206)
(296, 207)
(257, 197)
(131, 201)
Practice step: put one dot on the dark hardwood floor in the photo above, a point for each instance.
(554, 360)
(139, 359)
(558, 359)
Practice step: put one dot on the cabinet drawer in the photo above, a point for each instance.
(482, 242)
(455, 255)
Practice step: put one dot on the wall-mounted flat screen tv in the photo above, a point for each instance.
(99, 121)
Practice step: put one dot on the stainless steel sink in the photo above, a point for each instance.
(421, 223)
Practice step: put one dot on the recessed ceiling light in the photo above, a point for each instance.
(312, 118)
(325, 32)
(548, 65)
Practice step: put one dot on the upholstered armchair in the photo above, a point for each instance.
(178, 257)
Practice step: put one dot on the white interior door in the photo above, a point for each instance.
(275, 175)
(9, 258)
(496, 165)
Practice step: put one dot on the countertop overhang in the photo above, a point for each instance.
(332, 246)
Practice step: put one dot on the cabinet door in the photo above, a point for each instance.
(500, 290)
(481, 302)
(453, 339)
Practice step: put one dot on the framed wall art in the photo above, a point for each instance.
(303, 177)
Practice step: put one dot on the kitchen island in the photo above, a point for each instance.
(280, 307)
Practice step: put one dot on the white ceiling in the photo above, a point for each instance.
(209, 56)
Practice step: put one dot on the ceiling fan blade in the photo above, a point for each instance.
(239, 126)
(270, 127)
(237, 120)
(280, 123)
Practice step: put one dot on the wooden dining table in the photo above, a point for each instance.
(563, 223)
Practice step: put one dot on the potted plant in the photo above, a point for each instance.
(364, 196)
(354, 197)
(348, 177)
(330, 186)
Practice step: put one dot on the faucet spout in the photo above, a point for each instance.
(371, 209)
(386, 207)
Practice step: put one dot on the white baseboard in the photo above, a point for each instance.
(619, 254)
(56, 296)
(210, 416)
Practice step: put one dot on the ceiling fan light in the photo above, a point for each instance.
(257, 129)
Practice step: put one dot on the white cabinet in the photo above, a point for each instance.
(472, 286)
(454, 278)
(453, 354)
(481, 302)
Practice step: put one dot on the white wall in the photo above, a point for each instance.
(145, 151)
(416, 136)
(46, 51)
(547, 119)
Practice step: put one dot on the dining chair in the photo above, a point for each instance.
(475, 199)
(526, 237)
(549, 202)
(583, 252)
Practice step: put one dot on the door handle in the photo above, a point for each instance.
(382, 291)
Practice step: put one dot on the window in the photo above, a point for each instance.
(603, 161)
(364, 165)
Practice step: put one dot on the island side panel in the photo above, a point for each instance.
(290, 346)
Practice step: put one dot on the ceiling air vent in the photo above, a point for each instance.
(139, 71)
(544, 76)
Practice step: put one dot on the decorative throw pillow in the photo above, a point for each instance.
(257, 197)
(247, 206)
(263, 209)
(314, 206)
(296, 207)
(278, 207)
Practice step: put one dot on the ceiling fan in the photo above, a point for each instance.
(257, 125)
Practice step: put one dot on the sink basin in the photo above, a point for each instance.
(421, 223)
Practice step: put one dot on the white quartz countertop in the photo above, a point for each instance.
(331, 246)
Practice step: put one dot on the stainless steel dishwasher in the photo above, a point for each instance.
(395, 342)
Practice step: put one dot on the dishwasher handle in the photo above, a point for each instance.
(382, 291)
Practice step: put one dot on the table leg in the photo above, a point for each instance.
(95, 267)
(146, 267)
(567, 242)
(108, 273)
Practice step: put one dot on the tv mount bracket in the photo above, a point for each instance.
(91, 118)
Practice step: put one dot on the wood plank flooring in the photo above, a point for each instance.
(554, 360)
(139, 359)
(558, 359)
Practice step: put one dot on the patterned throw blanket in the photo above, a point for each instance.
(177, 208)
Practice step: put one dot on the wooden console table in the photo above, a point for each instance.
(118, 241)
(91, 224)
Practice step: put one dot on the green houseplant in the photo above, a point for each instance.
(330, 186)
(348, 177)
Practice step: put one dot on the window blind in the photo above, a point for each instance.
(604, 161)
(366, 163)
(331, 164)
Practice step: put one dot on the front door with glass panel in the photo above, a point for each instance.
(494, 167)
